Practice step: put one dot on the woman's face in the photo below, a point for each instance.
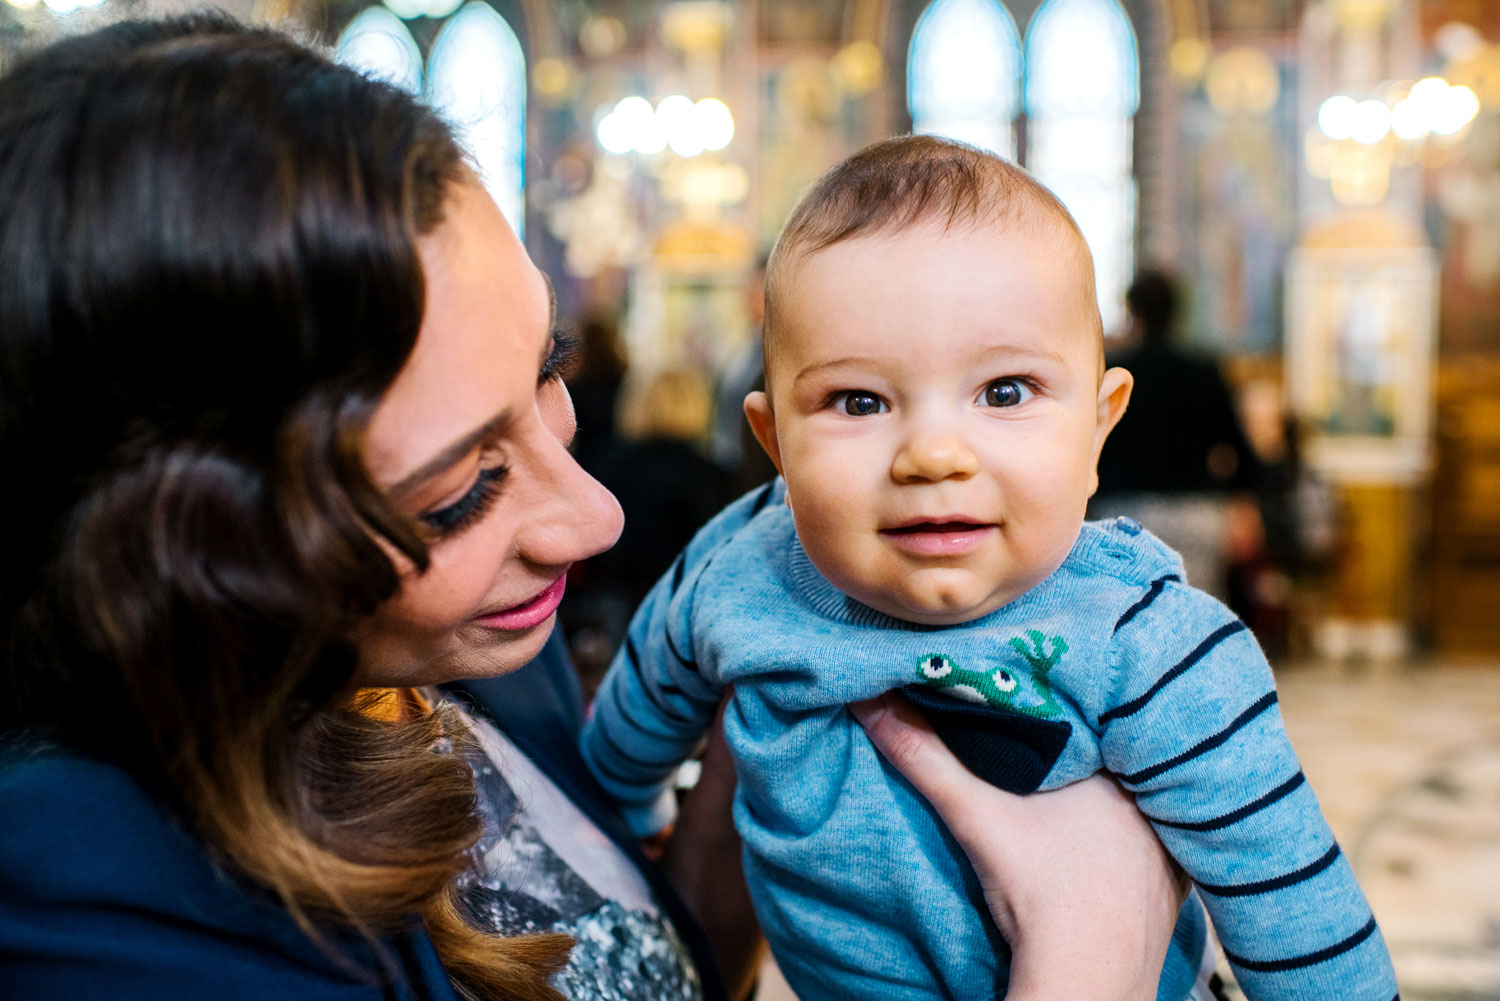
(471, 441)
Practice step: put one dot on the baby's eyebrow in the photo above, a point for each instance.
(1024, 351)
(821, 366)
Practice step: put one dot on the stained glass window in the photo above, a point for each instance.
(963, 73)
(1082, 91)
(476, 79)
(377, 44)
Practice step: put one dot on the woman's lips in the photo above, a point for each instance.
(529, 613)
(938, 538)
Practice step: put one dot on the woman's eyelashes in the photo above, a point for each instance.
(475, 503)
(469, 508)
(858, 403)
(561, 359)
(1012, 391)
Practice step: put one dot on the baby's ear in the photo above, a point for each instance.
(1114, 397)
(763, 422)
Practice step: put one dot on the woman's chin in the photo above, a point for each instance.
(470, 653)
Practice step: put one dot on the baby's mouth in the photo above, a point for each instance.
(938, 537)
(935, 526)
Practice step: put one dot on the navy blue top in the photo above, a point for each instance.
(104, 895)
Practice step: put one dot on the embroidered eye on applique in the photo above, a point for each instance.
(1003, 687)
(936, 667)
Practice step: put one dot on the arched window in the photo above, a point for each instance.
(1082, 91)
(476, 79)
(378, 45)
(963, 71)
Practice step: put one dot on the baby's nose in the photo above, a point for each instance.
(931, 458)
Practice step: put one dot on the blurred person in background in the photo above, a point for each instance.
(1282, 554)
(1178, 462)
(595, 387)
(734, 446)
(668, 490)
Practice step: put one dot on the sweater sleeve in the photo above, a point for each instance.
(1195, 732)
(657, 701)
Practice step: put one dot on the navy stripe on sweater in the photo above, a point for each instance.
(1214, 638)
(1234, 816)
(608, 764)
(1311, 959)
(1145, 602)
(687, 662)
(633, 659)
(1278, 882)
(1202, 747)
(625, 714)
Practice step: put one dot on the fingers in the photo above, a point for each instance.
(904, 737)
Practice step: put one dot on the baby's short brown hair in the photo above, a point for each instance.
(902, 182)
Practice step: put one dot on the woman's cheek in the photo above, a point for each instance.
(455, 586)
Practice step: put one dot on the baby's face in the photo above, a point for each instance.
(937, 411)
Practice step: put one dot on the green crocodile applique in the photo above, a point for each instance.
(1001, 687)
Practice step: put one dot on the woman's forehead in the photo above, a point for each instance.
(484, 329)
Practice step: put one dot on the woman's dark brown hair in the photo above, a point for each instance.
(208, 277)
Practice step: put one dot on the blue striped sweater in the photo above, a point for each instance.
(1111, 663)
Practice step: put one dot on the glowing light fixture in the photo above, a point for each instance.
(675, 117)
(1336, 117)
(1458, 108)
(1370, 123)
(714, 123)
(689, 129)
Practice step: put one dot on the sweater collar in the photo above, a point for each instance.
(1100, 547)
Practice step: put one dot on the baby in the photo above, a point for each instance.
(935, 401)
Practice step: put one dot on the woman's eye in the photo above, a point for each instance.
(561, 359)
(858, 403)
(1006, 393)
(469, 508)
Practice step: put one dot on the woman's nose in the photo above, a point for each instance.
(574, 519)
(931, 458)
(572, 516)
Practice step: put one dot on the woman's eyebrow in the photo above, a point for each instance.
(452, 454)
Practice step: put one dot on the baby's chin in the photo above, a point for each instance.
(936, 608)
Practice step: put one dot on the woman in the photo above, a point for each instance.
(287, 452)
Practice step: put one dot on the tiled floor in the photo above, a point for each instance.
(1406, 762)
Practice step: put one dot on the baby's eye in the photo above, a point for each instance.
(858, 403)
(1006, 393)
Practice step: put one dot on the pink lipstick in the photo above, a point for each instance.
(529, 613)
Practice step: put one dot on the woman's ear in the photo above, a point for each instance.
(763, 422)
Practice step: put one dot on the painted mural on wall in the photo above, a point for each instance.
(1239, 219)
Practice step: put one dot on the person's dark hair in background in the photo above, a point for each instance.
(1179, 451)
(208, 237)
(595, 387)
(668, 490)
(1152, 301)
